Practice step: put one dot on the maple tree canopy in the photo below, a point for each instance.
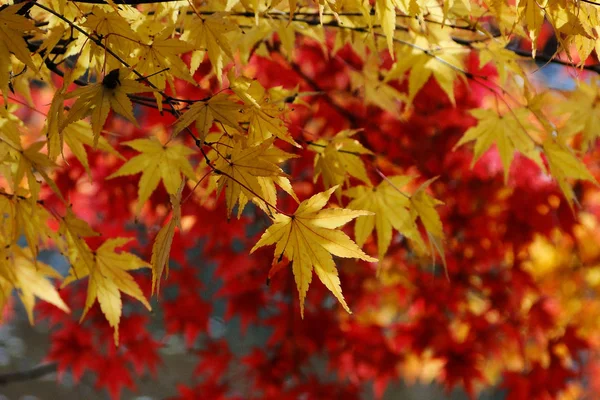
(408, 152)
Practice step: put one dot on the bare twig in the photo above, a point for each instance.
(551, 59)
(29, 374)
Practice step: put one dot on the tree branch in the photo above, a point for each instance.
(551, 59)
(26, 375)
(312, 83)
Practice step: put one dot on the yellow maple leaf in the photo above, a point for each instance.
(29, 162)
(163, 241)
(390, 210)
(308, 238)
(73, 231)
(264, 116)
(452, 6)
(80, 133)
(532, 12)
(32, 162)
(269, 184)
(10, 130)
(116, 32)
(21, 271)
(108, 275)
(220, 107)
(505, 61)
(423, 206)
(155, 163)
(571, 31)
(583, 109)
(54, 124)
(75, 134)
(97, 99)
(377, 91)
(12, 28)
(23, 216)
(443, 62)
(385, 10)
(508, 132)
(413, 7)
(162, 54)
(75, 227)
(563, 165)
(288, 32)
(338, 159)
(241, 172)
(209, 34)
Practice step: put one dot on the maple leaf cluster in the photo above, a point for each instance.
(400, 150)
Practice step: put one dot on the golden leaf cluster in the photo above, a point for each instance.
(124, 58)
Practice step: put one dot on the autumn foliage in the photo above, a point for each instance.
(386, 187)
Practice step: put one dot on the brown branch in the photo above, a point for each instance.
(311, 143)
(169, 100)
(550, 59)
(26, 375)
(539, 57)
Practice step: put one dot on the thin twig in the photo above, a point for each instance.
(388, 180)
(311, 143)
